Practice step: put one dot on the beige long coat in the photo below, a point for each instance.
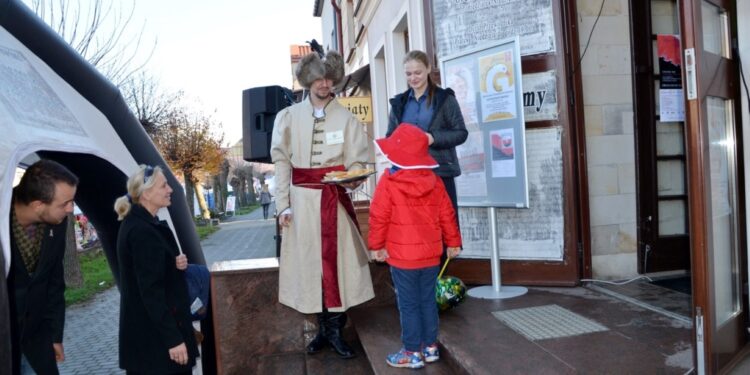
(300, 142)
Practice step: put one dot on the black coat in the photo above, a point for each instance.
(446, 127)
(38, 302)
(154, 306)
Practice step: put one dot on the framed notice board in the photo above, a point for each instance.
(487, 81)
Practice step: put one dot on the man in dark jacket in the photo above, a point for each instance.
(41, 203)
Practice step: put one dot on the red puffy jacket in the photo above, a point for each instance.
(411, 216)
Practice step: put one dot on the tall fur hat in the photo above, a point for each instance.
(312, 68)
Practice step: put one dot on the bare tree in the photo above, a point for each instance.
(220, 186)
(149, 102)
(71, 266)
(101, 33)
(250, 183)
(238, 196)
(241, 191)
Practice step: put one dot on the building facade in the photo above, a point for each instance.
(641, 138)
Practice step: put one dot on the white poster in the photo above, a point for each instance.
(463, 25)
(671, 105)
(230, 203)
(503, 155)
(460, 78)
(473, 180)
(497, 86)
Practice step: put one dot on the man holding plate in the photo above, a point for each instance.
(323, 267)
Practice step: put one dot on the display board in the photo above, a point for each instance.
(533, 234)
(487, 83)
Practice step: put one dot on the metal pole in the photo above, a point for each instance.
(497, 281)
(496, 291)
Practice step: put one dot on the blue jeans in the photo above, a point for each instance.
(415, 294)
(26, 366)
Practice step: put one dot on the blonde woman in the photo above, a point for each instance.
(156, 332)
(435, 110)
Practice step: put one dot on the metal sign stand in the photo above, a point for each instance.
(497, 290)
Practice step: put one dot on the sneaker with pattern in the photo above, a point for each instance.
(431, 353)
(405, 359)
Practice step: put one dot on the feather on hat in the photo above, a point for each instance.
(311, 68)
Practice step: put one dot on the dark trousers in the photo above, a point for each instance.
(450, 187)
(265, 210)
(418, 312)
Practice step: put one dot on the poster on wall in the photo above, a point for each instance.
(463, 25)
(473, 180)
(497, 86)
(540, 96)
(503, 158)
(671, 97)
(487, 82)
(460, 78)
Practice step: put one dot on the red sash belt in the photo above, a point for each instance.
(331, 195)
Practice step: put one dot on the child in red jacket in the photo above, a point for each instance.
(411, 218)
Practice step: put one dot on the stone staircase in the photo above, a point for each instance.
(379, 333)
(257, 335)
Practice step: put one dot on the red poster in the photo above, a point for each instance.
(668, 47)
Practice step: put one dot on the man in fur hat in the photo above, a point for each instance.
(324, 261)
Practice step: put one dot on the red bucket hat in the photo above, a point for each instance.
(407, 147)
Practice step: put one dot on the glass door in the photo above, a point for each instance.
(711, 76)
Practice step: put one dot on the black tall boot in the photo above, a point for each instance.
(334, 330)
(320, 340)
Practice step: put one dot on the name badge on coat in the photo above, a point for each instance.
(334, 138)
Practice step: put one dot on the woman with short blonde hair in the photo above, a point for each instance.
(156, 331)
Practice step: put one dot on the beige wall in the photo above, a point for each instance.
(608, 103)
(382, 46)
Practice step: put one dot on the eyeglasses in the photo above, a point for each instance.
(147, 173)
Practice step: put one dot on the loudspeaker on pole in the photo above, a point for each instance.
(259, 108)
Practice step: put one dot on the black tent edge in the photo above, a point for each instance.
(41, 40)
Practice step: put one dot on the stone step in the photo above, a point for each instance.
(328, 362)
(379, 332)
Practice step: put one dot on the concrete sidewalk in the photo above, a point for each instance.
(91, 328)
(242, 237)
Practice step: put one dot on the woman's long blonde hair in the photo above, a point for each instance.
(137, 184)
